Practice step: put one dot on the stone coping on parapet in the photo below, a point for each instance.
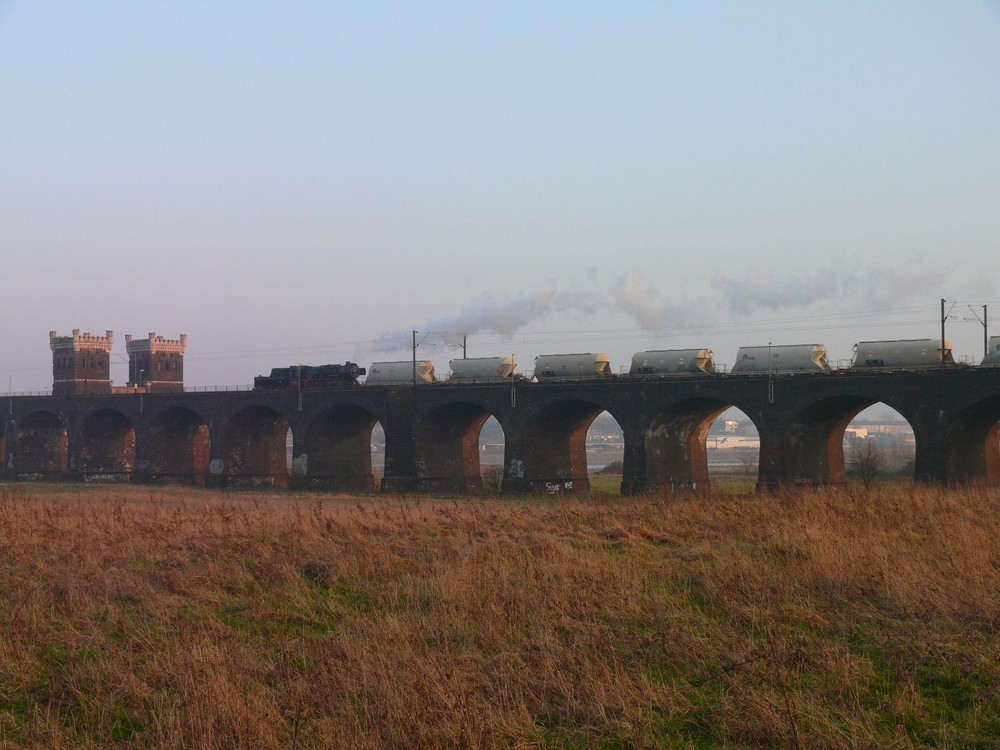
(155, 344)
(81, 341)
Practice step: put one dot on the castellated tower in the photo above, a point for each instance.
(81, 363)
(156, 364)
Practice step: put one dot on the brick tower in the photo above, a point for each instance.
(81, 363)
(156, 364)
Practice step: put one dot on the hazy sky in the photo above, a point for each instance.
(309, 182)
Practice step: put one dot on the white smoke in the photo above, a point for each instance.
(852, 286)
(914, 279)
(488, 314)
(770, 292)
(586, 300)
(636, 297)
(502, 315)
(865, 285)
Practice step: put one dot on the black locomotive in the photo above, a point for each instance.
(308, 376)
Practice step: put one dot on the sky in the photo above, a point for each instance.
(311, 182)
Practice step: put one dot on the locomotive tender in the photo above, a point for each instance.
(903, 354)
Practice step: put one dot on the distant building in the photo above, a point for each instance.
(156, 364)
(81, 363)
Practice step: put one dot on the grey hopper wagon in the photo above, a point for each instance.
(992, 358)
(572, 366)
(902, 353)
(670, 361)
(400, 373)
(482, 369)
(782, 358)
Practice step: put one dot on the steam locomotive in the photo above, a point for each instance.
(308, 376)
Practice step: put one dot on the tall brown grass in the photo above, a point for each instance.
(168, 618)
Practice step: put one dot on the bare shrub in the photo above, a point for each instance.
(614, 468)
(493, 480)
(868, 461)
(748, 463)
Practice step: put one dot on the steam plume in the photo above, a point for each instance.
(486, 315)
(867, 284)
(503, 315)
(636, 297)
(850, 286)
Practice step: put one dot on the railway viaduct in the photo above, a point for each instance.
(232, 438)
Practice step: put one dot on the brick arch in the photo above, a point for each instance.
(675, 442)
(338, 449)
(107, 446)
(972, 445)
(555, 446)
(42, 447)
(446, 445)
(254, 448)
(177, 447)
(814, 438)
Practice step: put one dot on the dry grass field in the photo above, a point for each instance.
(183, 618)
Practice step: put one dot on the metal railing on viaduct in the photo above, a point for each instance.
(432, 431)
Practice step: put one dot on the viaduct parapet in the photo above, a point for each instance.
(432, 431)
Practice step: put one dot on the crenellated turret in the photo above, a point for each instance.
(156, 364)
(81, 363)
